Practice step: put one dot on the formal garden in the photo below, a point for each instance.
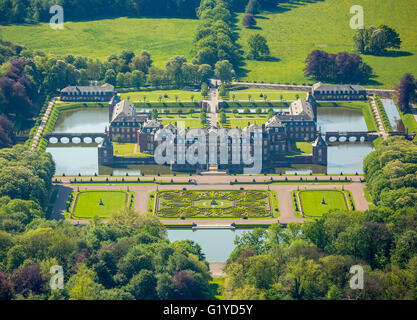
(174, 204)
(101, 204)
(314, 203)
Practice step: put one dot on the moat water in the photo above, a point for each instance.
(216, 244)
(75, 159)
(392, 113)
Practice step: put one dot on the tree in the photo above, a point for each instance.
(341, 67)
(271, 113)
(252, 7)
(301, 277)
(7, 136)
(406, 92)
(224, 71)
(141, 63)
(203, 117)
(174, 69)
(6, 287)
(222, 117)
(249, 21)
(110, 77)
(204, 72)
(155, 113)
(82, 285)
(143, 285)
(120, 80)
(258, 47)
(137, 78)
(204, 89)
(185, 286)
(223, 92)
(17, 90)
(375, 40)
(261, 271)
(392, 37)
(164, 286)
(29, 280)
(405, 248)
(156, 76)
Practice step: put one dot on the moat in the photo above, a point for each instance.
(74, 159)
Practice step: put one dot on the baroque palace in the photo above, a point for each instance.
(275, 142)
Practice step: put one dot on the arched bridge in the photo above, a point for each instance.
(75, 137)
(354, 136)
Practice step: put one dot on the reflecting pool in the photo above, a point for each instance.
(216, 244)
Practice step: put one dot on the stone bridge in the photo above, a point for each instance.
(75, 137)
(354, 136)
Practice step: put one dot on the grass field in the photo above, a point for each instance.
(298, 27)
(301, 147)
(166, 95)
(191, 120)
(241, 121)
(257, 95)
(128, 150)
(88, 203)
(409, 121)
(163, 38)
(311, 201)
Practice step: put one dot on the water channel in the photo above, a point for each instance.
(216, 244)
(73, 159)
(392, 113)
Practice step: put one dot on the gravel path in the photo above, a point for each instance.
(38, 135)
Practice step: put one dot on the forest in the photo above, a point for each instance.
(27, 11)
(313, 260)
(129, 258)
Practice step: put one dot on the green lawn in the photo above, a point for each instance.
(154, 95)
(241, 120)
(311, 201)
(409, 121)
(98, 39)
(298, 27)
(128, 150)
(274, 95)
(191, 123)
(191, 120)
(88, 203)
(301, 147)
(367, 195)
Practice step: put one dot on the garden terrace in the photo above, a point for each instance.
(97, 204)
(314, 203)
(266, 95)
(214, 204)
(165, 96)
